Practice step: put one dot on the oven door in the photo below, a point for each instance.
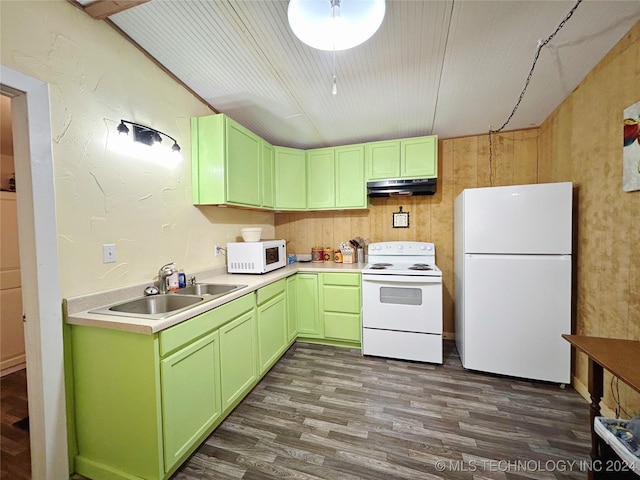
(402, 302)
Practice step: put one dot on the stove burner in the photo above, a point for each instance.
(380, 266)
(420, 266)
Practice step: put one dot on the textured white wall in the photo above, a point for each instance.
(96, 78)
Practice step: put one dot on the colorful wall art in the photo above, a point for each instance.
(631, 149)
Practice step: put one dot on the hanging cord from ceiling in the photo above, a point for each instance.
(541, 44)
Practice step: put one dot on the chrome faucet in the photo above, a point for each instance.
(165, 272)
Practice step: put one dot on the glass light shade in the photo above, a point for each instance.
(312, 22)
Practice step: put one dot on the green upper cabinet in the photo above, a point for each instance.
(321, 178)
(226, 162)
(267, 175)
(335, 178)
(290, 173)
(350, 181)
(383, 160)
(419, 157)
(407, 158)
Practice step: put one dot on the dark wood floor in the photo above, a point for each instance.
(14, 438)
(330, 413)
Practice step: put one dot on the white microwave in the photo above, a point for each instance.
(256, 257)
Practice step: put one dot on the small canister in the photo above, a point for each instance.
(328, 255)
(317, 254)
(337, 256)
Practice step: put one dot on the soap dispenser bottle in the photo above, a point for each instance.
(173, 281)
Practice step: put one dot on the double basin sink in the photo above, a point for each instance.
(158, 307)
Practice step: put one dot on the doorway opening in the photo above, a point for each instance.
(39, 273)
(14, 406)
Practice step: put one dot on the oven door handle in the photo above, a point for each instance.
(395, 279)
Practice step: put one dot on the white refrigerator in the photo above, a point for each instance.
(512, 256)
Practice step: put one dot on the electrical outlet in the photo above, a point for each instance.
(109, 253)
(217, 251)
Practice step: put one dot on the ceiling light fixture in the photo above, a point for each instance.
(335, 24)
(147, 135)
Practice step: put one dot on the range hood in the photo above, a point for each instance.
(402, 188)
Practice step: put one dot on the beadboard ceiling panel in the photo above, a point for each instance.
(445, 67)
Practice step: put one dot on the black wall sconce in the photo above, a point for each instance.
(147, 135)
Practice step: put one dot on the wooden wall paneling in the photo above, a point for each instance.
(582, 140)
(326, 222)
(315, 231)
(525, 157)
(482, 158)
(421, 226)
(463, 154)
(503, 162)
(359, 223)
(442, 233)
(342, 230)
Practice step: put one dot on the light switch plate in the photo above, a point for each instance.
(109, 253)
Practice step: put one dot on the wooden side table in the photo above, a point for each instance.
(621, 358)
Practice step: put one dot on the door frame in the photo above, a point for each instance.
(41, 296)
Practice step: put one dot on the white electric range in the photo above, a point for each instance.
(402, 302)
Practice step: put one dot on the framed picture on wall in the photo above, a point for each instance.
(631, 149)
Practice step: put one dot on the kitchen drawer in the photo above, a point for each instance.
(347, 279)
(341, 299)
(342, 326)
(187, 331)
(270, 291)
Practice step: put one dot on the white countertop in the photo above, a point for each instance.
(77, 308)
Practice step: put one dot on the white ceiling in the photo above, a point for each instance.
(446, 67)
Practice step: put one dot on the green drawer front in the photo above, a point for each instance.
(341, 299)
(347, 279)
(188, 330)
(342, 326)
(265, 293)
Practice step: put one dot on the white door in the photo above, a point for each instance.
(516, 309)
(520, 219)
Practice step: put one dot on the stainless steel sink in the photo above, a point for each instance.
(157, 307)
(216, 289)
(152, 307)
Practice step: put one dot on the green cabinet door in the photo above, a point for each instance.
(208, 160)
(225, 162)
(242, 165)
(238, 357)
(272, 330)
(292, 308)
(340, 303)
(268, 180)
(320, 179)
(309, 324)
(419, 157)
(351, 191)
(383, 160)
(290, 173)
(189, 407)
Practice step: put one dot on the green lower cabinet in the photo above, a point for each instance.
(272, 330)
(309, 324)
(238, 357)
(189, 407)
(116, 377)
(340, 302)
(292, 308)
